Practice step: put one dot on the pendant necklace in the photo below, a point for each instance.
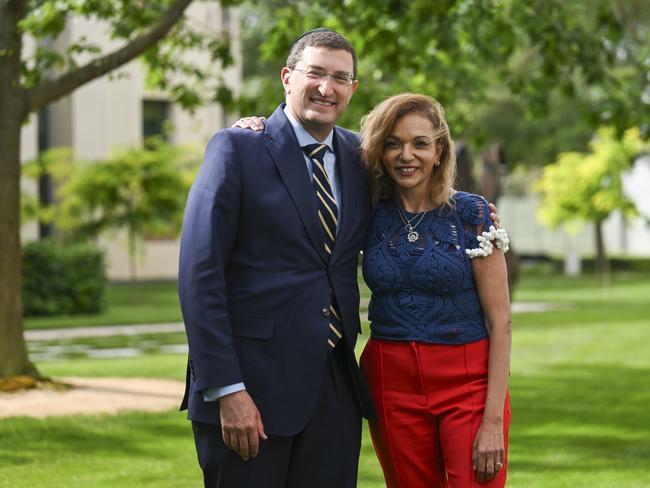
(412, 235)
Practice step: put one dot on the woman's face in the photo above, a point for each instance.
(410, 154)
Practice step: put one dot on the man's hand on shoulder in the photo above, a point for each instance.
(495, 216)
(241, 424)
(254, 123)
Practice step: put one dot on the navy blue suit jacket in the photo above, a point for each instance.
(254, 277)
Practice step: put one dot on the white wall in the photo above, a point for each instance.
(637, 187)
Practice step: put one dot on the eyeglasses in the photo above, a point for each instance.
(314, 74)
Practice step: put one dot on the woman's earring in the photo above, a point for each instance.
(437, 163)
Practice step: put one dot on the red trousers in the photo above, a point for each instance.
(430, 400)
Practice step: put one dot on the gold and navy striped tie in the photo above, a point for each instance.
(328, 215)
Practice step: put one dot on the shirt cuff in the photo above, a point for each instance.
(213, 394)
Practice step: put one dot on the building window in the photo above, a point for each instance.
(44, 135)
(155, 119)
(45, 182)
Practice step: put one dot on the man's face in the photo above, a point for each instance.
(317, 101)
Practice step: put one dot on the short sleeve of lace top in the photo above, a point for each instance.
(474, 215)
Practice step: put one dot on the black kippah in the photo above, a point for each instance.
(318, 29)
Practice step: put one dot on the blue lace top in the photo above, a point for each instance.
(424, 290)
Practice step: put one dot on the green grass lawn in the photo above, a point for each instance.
(169, 366)
(580, 384)
(145, 303)
(128, 450)
(580, 390)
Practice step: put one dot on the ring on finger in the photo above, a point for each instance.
(498, 465)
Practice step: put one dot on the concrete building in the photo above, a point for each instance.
(117, 110)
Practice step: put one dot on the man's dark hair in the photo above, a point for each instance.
(321, 38)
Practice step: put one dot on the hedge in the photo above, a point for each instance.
(62, 279)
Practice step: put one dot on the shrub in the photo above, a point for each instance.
(58, 279)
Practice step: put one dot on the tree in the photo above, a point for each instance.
(141, 191)
(589, 187)
(467, 53)
(156, 30)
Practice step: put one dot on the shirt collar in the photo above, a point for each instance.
(304, 137)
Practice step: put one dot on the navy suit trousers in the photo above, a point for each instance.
(323, 455)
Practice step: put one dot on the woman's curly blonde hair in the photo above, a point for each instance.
(378, 125)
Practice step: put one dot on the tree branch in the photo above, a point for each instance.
(15, 5)
(50, 90)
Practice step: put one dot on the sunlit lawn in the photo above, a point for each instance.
(581, 385)
(580, 390)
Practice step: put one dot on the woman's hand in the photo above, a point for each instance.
(253, 123)
(488, 454)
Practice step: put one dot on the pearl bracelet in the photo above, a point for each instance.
(486, 247)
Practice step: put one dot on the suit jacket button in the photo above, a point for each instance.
(325, 312)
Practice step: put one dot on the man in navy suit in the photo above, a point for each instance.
(268, 286)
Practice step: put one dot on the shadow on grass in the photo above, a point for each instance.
(578, 417)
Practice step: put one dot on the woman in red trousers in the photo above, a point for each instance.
(438, 358)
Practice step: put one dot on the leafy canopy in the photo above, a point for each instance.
(467, 53)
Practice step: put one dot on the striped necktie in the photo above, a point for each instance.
(328, 215)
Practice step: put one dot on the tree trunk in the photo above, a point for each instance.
(602, 263)
(464, 169)
(133, 261)
(13, 350)
(16, 102)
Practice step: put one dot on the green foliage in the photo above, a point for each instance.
(588, 186)
(57, 162)
(572, 66)
(530, 140)
(140, 190)
(190, 80)
(59, 279)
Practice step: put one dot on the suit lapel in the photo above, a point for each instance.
(283, 147)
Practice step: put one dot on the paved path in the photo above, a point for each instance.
(94, 396)
(141, 329)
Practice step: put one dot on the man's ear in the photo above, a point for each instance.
(355, 85)
(285, 76)
(353, 88)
